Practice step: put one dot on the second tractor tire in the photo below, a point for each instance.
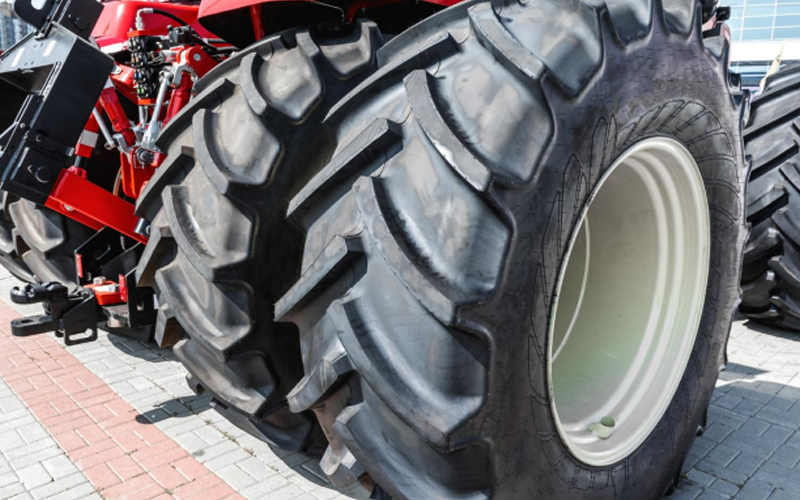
(771, 275)
(220, 253)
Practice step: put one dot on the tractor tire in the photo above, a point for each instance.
(771, 273)
(10, 250)
(220, 251)
(439, 242)
(38, 244)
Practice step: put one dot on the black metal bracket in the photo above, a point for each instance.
(73, 317)
(110, 255)
(50, 82)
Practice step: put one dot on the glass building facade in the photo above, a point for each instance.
(760, 30)
(12, 29)
(757, 20)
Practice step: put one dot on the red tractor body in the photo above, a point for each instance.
(119, 17)
(63, 97)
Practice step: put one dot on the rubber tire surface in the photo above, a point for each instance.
(435, 235)
(10, 242)
(771, 274)
(38, 244)
(219, 252)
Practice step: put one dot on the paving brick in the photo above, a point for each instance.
(236, 455)
(59, 466)
(125, 467)
(755, 490)
(11, 490)
(236, 477)
(101, 476)
(724, 487)
(722, 455)
(168, 477)
(712, 495)
(39, 456)
(33, 476)
(58, 487)
(746, 463)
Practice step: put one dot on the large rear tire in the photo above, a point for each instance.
(220, 251)
(771, 274)
(438, 244)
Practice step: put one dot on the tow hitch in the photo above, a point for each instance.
(72, 316)
(116, 306)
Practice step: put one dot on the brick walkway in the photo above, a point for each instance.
(115, 419)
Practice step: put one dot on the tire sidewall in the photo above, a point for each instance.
(586, 143)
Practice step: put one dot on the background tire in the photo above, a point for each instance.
(220, 251)
(38, 244)
(435, 235)
(51, 240)
(771, 274)
(11, 247)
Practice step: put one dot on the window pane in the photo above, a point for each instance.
(788, 9)
(758, 11)
(734, 24)
(781, 33)
(758, 22)
(760, 2)
(736, 35)
(787, 21)
(757, 34)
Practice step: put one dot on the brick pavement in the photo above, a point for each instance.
(152, 382)
(750, 450)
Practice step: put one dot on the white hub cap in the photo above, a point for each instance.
(629, 301)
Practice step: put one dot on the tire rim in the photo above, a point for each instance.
(629, 301)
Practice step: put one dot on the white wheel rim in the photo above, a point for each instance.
(629, 301)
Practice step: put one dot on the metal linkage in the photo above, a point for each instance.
(72, 316)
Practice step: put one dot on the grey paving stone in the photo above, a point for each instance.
(59, 487)
(780, 494)
(59, 466)
(725, 487)
(712, 495)
(230, 458)
(717, 431)
(33, 476)
(721, 472)
(11, 490)
(686, 491)
(786, 456)
(700, 478)
(755, 490)
(748, 407)
(722, 455)
(236, 477)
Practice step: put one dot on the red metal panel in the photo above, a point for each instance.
(118, 17)
(92, 205)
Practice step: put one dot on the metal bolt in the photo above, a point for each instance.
(43, 175)
(197, 57)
